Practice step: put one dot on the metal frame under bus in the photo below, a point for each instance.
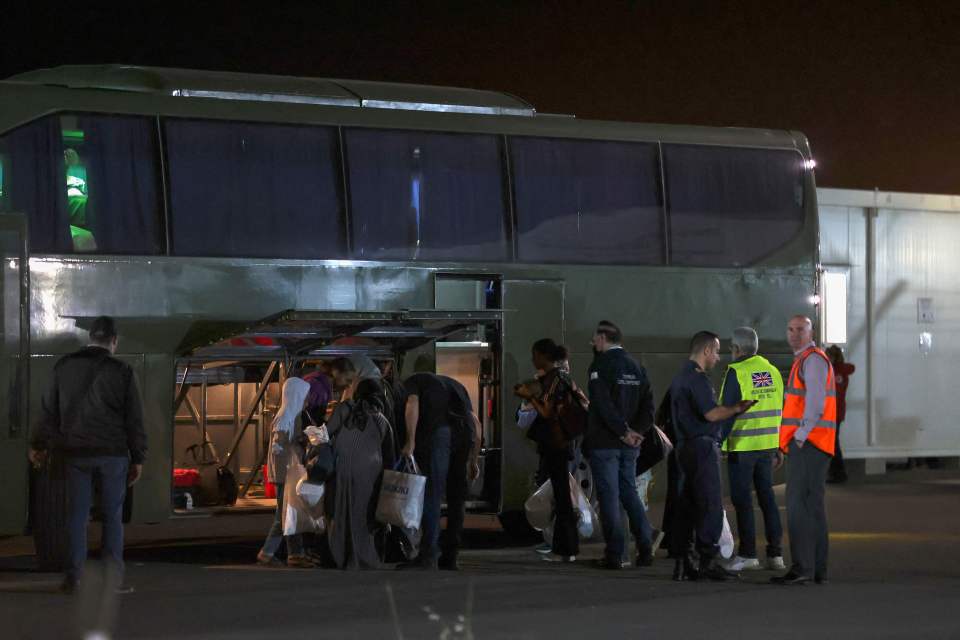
(499, 226)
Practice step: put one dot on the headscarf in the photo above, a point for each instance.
(320, 390)
(295, 392)
(368, 401)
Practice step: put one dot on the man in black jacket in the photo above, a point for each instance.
(91, 415)
(621, 410)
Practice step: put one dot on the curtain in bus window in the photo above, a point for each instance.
(426, 196)
(731, 207)
(584, 201)
(254, 190)
(121, 206)
(33, 178)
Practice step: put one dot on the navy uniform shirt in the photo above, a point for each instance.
(691, 398)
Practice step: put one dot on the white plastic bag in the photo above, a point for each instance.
(726, 539)
(539, 507)
(311, 493)
(298, 515)
(401, 495)
(587, 519)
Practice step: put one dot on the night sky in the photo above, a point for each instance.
(874, 85)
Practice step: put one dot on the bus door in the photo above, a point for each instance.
(533, 309)
(15, 316)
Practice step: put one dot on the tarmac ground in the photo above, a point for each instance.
(894, 573)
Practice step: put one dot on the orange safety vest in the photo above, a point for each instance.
(823, 434)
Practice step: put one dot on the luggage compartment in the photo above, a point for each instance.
(228, 390)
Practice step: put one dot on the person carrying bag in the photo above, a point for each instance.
(401, 495)
(561, 419)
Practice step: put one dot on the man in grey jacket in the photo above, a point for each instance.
(91, 414)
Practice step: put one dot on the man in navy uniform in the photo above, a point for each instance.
(698, 420)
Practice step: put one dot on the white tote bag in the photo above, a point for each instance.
(401, 495)
(299, 515)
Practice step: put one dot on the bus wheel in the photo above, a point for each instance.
(48, 515)
(515, 524)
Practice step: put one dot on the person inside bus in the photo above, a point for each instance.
(83, 240)
(363, 447)
(286, 430)
(556, 453)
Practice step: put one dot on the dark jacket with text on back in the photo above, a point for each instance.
(92, 408)
(620, 397)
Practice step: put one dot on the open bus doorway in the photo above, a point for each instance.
(228, 392)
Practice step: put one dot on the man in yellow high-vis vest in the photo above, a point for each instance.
(751, 441)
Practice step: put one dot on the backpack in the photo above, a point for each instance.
(569, 420)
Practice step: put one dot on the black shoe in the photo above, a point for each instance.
(448, 563)
(683, 570)
(644, 559)
(713, 571)
(418, 565)
(790, 578)
(69, 586)
(609, 564)
(821, 579)
(836, 479)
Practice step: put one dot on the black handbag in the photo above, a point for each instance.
(320, 462)
(654, 448)
(218, 485)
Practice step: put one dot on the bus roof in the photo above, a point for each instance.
(323, 101)
(268, 88)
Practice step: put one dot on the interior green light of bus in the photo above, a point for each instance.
(72, 135)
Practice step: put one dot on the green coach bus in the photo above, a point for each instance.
(238, 225)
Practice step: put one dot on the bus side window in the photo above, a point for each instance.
(33, 183)
(112, 185)
(587, 202)
(730, 207)
(253, 190)
(419, 195)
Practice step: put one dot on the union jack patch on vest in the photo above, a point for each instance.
(762, 379)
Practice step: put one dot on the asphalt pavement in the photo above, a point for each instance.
(894, 573)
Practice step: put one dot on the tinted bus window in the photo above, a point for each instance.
(731, 207)
(88, 184)
(254, 190)
(426, 196)
(583, 201)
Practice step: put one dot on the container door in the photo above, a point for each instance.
(532, 309)
(14, 363)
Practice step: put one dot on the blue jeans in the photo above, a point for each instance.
(615, 477)
(275, 536)
(443, 459)
(112, 472)
(748, 471)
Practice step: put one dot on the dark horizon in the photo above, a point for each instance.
(873, 86)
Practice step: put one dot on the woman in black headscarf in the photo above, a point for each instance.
(363, 446)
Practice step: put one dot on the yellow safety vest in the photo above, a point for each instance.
(759, 428)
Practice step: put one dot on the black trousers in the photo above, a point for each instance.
(700, 508)
(566, 540)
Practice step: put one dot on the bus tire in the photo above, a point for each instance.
(515, 525)
(48, 515)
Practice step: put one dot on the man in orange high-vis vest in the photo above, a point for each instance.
(807, 434)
